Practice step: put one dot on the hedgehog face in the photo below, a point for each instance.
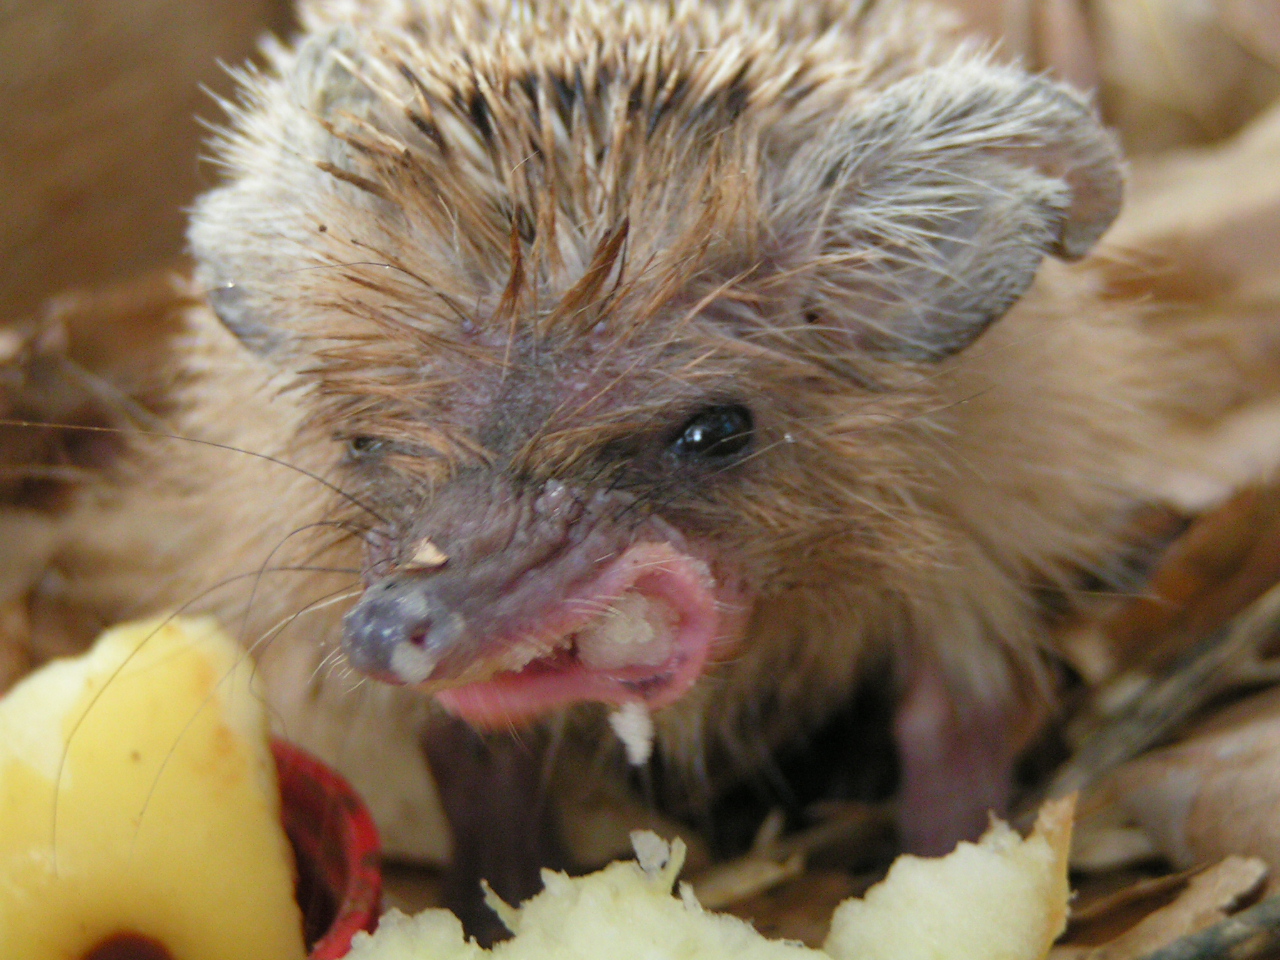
(627, 315)
(595, 520)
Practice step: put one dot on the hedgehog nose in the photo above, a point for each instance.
(400, 630)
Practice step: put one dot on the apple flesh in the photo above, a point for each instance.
(1003, 898)
(139, 812)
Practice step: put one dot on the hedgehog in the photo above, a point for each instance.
(683, 360)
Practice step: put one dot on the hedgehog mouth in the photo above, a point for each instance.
(641, 632)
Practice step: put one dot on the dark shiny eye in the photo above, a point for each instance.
(363, 446)
(715, 432)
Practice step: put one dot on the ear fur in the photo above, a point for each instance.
(286, 142)
(937, 201)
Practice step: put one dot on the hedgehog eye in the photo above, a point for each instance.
(363, 446)
(714, 433)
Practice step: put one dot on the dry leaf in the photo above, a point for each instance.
(1255, 25)
(1201, 203)
(775, 859)
(1225, 561)
(1054, 36)
(738, 880)
(1214, 794)
(1174, 72)
(101, 360)
(1199, 240)
(1207, 899)
(1168, 73)
(1098, 918)
(1098, 846)
(1216, 664)
(98, 359)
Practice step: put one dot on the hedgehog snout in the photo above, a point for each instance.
(401, 630)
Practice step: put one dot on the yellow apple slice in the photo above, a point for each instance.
(138, 800)
(623, 912)
(1003, 898)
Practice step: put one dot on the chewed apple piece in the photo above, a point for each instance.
(1002, 898)
(623, 912)
(138, 804)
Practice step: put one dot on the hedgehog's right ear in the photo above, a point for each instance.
(245, 234)
(926, 214)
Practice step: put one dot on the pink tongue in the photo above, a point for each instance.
(677, 584)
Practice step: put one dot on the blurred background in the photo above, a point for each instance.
(100, 101)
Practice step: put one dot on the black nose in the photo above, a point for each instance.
(399, 631)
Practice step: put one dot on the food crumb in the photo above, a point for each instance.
(634, 727)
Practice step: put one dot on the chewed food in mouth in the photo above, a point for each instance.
(542, 600)
(636, 631)
(649, 626)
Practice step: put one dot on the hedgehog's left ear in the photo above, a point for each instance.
(926, 214)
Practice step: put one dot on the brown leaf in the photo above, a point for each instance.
(1255, 25)
(1044, 35)
(1207, 899)
(743, 878)
(1099, 918)
(1225, 561)
(1159, 709)
(1168, 73)
(1099, 846)
(1199, 240)
(775, 859)
(1214, 794)
(93, 365)
(92, 359)
(1174, 73)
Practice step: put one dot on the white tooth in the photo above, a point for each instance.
(635, 631)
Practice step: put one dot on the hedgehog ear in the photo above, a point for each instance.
(935, 204)
(229, 303)
(233, 259)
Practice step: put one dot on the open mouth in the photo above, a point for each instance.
(641, 632)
